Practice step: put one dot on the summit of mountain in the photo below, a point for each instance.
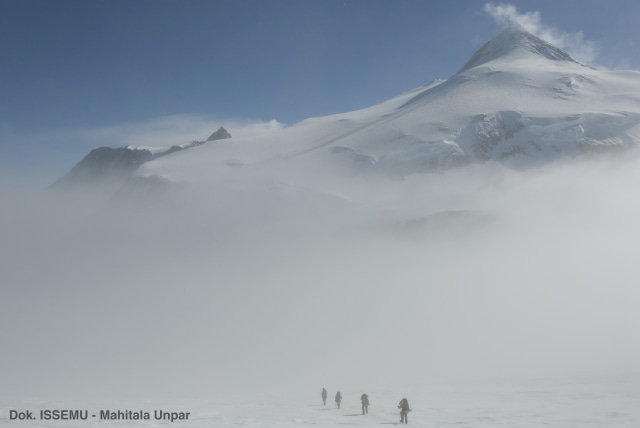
(516, 43)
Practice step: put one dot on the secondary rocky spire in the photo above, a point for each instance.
(220, 134)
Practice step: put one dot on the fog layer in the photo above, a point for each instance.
(476, 273)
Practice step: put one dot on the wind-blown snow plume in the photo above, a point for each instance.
(574, 43)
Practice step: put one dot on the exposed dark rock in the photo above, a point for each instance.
(220, 134)
(114, 166)
(174, 149)
(105, 164)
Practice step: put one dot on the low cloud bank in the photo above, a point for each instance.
(478, 273)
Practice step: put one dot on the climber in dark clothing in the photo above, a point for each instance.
(404, 409)
(365, 403)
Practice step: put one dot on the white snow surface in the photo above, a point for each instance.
(558, 403)
(519, 101)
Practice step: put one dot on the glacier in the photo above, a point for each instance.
(519, 101)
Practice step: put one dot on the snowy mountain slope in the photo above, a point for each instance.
(518, 100)
(116, 165)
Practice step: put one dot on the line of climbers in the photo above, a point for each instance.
(364, 398)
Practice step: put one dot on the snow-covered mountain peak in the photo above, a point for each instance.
(519, 101)
(515, 42)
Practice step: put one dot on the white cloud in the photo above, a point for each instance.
(574, 43)
(171, 130)
(541, 280)
(39, 158)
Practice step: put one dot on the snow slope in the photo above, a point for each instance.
(518, 101)
(559, 403)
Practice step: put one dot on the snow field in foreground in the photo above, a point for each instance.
(613, 402)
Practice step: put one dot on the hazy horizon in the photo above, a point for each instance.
(480, 272)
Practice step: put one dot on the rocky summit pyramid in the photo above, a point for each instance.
(518, 101)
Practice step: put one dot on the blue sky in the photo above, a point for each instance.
(76, 74)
